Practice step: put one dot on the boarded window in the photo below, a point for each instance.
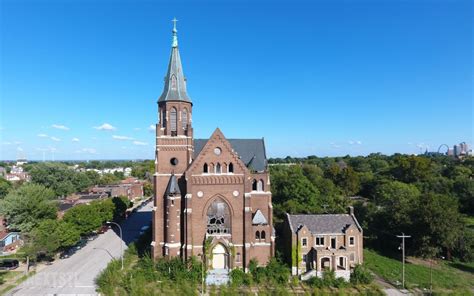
(173, 121)
(260, 185)
(262, 235)
(184, 120)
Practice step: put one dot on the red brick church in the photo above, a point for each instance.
(212, 196)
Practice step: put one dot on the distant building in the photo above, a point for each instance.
(314, 243)
(460, 150)
(9, 241)
(128, 188)
(21, 161)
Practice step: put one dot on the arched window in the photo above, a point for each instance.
(260, 185)
(218, 168)
(218, 218)
(262, 236)
(173, 121)
(231, 168)
(163, 118)
(184, 119)
(257, 235)
(205, 169)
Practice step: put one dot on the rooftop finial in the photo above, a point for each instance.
(175, 35)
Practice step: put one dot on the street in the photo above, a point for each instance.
(75, 275)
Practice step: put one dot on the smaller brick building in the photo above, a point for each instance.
(314, 243)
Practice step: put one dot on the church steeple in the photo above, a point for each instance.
(175, 82)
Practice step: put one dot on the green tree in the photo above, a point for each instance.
(5, 186)
(437, 222)
(411, 168)
(93, 176)
(27, 206)
(52, 235)
(147, 189)
(108, 179)
(85, 218)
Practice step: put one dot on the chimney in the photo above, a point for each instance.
(351, 210)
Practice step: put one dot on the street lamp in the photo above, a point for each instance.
(121, 239)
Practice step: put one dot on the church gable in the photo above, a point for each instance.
(217, 157)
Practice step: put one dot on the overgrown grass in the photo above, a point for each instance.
(445, 277)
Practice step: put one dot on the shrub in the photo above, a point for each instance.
(240, 278)
(361, 276)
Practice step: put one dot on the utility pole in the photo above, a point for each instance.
(403, 236)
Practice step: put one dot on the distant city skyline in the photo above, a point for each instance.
(80, 80)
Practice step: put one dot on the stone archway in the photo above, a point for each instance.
(220, 257)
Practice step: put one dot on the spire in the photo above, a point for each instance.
(175, 34)
(175, 82)
(173, 187)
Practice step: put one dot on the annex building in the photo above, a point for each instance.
(212, 196)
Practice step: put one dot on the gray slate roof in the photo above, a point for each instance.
(251, 151)
(175, 91)
(322, 224)
(259, 218)
(173, 187)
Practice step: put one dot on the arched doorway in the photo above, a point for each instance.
(219, 257)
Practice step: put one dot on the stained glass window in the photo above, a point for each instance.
(218, 218)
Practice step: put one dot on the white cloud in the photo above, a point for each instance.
(19, 149)
(55, 139)
(122, 138)
(152, 127)
(42, 135)
(87, 151)
(105, 127)
(137, 129)
(17, 142)
(6, 143)
(351, 142)
(60, 126)
(75, 139)
(138, 143)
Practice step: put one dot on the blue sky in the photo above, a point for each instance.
(312, 77)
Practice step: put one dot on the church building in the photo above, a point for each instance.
(212, 196)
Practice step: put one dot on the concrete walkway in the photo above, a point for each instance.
(76, 275)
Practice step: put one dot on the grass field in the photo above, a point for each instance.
(446, 276)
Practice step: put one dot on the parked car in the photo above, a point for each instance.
(9, 264)
(67, 253)
(81, 244)
(91, 237)
(143, 229)
(103, 229)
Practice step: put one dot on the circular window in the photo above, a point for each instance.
(235, 193)
(174, 161)
(217, 151)
(200, 194)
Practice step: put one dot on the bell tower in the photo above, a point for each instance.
(173, 154)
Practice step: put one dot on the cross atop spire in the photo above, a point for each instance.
(175, 83)
(175, 31)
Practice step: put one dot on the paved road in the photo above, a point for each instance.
(75, 275)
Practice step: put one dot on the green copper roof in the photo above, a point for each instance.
(175, 82)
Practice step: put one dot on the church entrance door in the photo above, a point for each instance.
(219, 257)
